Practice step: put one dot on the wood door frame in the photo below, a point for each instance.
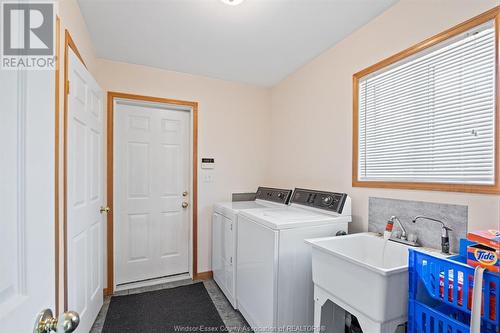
(68, 44)
(111, 95)
(56, 161)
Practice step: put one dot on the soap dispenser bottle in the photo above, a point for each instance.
(388, 229)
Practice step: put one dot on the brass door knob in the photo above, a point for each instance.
(105, 210)
(185, 204)
(68, 322)
(185, 193)
(46, 323)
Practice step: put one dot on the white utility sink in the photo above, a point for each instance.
(364, 274)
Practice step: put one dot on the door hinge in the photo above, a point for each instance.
(231, 260)
(67, 87)
(231, 227)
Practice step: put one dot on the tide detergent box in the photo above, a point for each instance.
(486, 253)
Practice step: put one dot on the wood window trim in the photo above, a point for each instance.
(492, 14)
(111, 96)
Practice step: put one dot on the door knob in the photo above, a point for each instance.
(185, 204)
(105, 210)
(46, 323)
(185, 193)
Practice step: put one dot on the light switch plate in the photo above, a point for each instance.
(208, 177)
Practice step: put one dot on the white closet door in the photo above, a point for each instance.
(27, 257)
(85, 193)
(151, 175)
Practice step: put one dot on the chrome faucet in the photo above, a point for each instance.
(403, 239)
(403, 229)
(445, 237)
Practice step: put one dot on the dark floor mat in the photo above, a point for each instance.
(186, 309)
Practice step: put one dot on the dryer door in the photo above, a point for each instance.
(257, 268)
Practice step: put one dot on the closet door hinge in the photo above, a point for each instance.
(67, 87)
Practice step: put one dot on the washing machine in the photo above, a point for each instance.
(273, 268)
(224, 231)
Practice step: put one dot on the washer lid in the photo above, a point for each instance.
(291, 217)
(231, 209)
(237, 205)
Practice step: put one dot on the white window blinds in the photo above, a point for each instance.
(431, 116)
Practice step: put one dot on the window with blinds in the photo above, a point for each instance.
(431, 116)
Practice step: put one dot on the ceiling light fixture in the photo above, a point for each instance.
(232, 2)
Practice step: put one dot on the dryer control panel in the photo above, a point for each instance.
(274, 194)
(331, 201)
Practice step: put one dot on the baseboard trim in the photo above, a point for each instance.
(204, 275)
(107, 292)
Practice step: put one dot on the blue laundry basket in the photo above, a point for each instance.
(440, 292)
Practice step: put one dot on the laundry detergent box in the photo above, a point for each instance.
(486, 253)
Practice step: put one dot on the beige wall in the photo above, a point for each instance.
(234, 126)
(72, 20)
(312, 109)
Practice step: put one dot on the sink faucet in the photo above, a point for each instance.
(403, 229)
(445, 239)
(403, 239)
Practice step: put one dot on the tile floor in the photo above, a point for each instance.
(233, 319)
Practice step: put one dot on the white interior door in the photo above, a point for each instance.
(27, 259)
(151, 175)
(85, 193)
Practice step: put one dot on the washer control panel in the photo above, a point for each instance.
(274, 194)
(331, 201)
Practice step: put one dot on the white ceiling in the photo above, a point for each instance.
(258, 42)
